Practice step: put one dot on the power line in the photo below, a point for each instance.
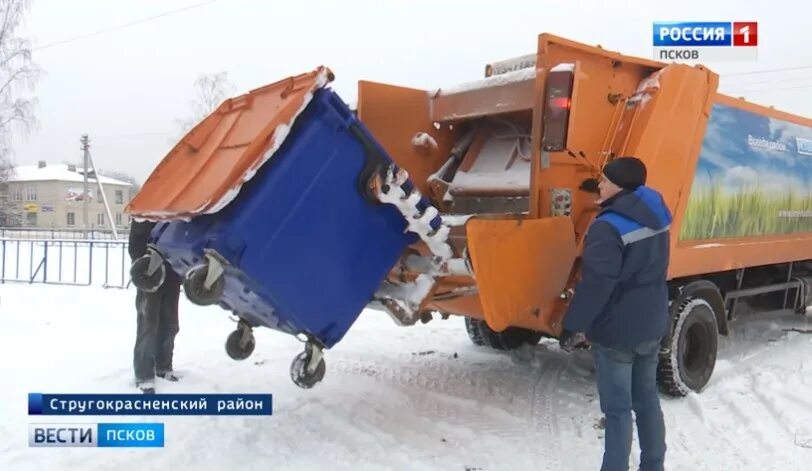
(752, 72)
(122, 26)
(771, 82)
(767, 90)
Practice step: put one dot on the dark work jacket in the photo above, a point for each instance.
(622, 297)
(139, 238)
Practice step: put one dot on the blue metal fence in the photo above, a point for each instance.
(61, 233)
(65, 262)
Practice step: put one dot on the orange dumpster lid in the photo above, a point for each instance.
(205, 170)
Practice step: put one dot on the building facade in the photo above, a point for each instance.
(52, 197)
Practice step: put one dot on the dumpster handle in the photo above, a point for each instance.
(375, 163)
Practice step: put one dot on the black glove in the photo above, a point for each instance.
(569, 340)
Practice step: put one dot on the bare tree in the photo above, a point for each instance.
(18, 74)
(210, 91)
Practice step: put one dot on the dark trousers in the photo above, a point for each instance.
(157, 326)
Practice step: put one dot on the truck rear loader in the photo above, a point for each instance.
(495, 181)
(518, 155)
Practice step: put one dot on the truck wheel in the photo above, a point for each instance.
(474, 333)
(687, 363)
(509, 339)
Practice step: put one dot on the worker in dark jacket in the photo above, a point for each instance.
(620, 305)
(157, 321)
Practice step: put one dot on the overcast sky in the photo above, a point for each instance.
(126, 88)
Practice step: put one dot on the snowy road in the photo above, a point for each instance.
(414, 398)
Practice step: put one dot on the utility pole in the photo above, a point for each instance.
(103, 194)
(86, 151)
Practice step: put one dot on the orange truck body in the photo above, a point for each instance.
(523, 260)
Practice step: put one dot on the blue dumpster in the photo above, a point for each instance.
(304, 245)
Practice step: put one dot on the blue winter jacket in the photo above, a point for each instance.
(622, 297)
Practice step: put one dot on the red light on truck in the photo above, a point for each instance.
(558, 102)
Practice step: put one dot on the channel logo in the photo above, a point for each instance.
(705, 41)
(102, 435)
(745, 34)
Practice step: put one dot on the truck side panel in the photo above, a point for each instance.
(753, 178)
(750, 201)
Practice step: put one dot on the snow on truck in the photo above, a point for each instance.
(296, 213)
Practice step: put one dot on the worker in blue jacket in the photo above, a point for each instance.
(620, 305)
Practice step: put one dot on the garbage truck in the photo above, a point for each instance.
(474, 200)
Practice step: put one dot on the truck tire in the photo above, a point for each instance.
(474, 333)
(509, 339)
(687, 362)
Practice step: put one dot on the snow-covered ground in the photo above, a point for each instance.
(413, 398)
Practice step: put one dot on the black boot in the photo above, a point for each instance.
(168, 375)
(146, 386)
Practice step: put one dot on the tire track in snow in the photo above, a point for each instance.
(748, 425)
(804, 403)
(694, 403)
(528, 387)
(685, 427)
(778, 417)
(466, 381)
(454, 380)
(543, 415)
(329, 433)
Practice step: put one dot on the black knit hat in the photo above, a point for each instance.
(626, 172)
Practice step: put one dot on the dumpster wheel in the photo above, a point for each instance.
(196, 281)
(240, 343)
(308, 368)
(148, 272)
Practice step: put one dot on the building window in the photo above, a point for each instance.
(30, 219)
(18, 194)
(118, 219)
(119, 197)
(31, 193)
(100, 219)
(71, 219)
